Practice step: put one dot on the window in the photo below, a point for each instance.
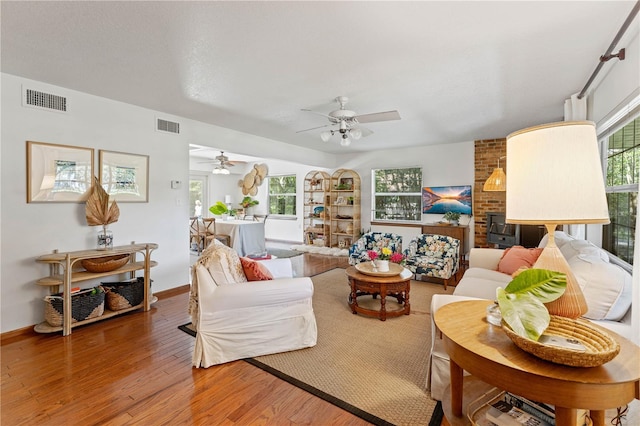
(282, 195)
(397, 194)
(622, 178)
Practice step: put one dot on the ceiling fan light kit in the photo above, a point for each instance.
(348, 122)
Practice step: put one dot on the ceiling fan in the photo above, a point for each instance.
(348, 122)
(222, 163)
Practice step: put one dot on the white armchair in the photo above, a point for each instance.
(236, 319)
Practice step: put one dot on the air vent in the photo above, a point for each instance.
(168, 126)
(37, 99)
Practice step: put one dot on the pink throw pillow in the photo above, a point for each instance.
(255, 271)
(517, 257)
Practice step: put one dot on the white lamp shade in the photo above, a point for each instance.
(555, 175)
(345, 142)
(325, 136)
(355, 134)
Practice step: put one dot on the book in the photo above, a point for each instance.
(541, 411)
(503, 413)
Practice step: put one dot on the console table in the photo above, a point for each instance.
(487, 353)
(63, 271)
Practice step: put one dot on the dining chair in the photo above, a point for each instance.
(195, 236)
(210, 233)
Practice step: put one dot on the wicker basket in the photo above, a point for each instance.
(105, 264)
(84, 305)
(124, 294)
(600, 347)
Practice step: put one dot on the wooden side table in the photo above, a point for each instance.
(397, 286)
(486, 352)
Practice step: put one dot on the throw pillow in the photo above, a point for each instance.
(606, 287)
(254, 270)
(516, 257)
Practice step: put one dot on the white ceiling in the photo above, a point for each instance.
(456, 71)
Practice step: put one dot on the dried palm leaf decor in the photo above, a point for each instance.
(98, 211)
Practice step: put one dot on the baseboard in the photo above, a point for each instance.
(15, 335)
(28, 331)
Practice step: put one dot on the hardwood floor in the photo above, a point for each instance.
(136, 369)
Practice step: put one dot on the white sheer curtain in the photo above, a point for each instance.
(575, 109)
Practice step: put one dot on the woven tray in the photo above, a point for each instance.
(84, 305)
(600, 348)
(105, 264)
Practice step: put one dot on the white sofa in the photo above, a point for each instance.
(607, 288)
(235, 318)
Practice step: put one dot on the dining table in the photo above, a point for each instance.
(247, 237)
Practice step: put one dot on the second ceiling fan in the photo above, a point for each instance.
(348, 122)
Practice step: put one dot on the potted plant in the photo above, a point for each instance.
(452, 217)
(219, 209)
(248, 202)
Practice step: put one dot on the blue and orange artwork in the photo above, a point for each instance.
(442, 199)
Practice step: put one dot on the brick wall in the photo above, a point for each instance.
(487, 153)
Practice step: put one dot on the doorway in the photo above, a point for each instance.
(198, 194)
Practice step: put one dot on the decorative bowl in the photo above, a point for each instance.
(569, 342)
(105, 264)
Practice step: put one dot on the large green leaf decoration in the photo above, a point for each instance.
(545, 285)
(522, 300)
(524, 313)
(219, 208)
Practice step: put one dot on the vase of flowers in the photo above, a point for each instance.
(380, 261)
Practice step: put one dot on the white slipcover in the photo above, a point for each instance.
(241, 319)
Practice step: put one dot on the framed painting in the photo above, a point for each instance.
(125, 177)
(443, 199)
(58, 173)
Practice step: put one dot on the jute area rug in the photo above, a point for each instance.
(379, 367)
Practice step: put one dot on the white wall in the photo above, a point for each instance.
(29, 230)
(620, 80)
(442, 165)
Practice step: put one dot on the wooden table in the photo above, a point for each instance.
(486, 352)
(397, 286)
(247, 236)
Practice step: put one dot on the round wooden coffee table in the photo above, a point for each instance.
(396, 286)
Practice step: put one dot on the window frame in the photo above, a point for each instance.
(374, 194)
(294, 195)
(606, 132)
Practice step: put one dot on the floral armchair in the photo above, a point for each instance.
(435, 256)
(373, 241)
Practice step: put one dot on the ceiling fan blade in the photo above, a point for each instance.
(314, 128)
(315, 112)
(365, 132)
(378, 116)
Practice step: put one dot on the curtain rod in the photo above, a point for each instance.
(620, 55)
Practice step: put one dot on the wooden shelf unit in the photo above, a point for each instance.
(316, 196)
(64, 270)
(345, 208)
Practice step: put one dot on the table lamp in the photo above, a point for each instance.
(555, 177)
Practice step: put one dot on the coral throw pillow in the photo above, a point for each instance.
(254, 270)
(517, 257)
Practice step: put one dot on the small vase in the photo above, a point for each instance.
(493, 315)
(105, 239)
(382, 265)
